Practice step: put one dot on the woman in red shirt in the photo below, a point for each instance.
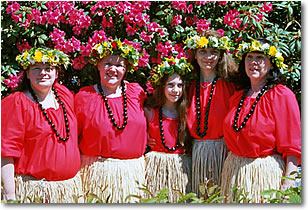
(208, 97)
(262, 128)
(112, 125)
(39, 145)
(167, 166)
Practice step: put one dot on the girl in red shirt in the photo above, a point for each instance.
(39, 147)
(262, 128)
(208, 96)
(167, 165)
(112, 126)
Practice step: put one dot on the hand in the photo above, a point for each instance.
(286, 184)
(151, 142)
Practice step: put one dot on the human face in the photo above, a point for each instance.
(174, 88)
(42, 75)
(112, 69)
(207, 58)
(257, 65)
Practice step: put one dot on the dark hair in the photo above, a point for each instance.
(158, 99)
(24, 82)
(273, 77)
(226, 66)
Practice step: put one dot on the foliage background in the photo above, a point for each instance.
(160, 26)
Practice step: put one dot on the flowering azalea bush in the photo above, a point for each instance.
(160, 28)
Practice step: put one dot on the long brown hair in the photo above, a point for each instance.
(158, 99)
(226, 66)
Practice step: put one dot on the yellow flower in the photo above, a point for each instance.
(38, 56)
(272, 51)
(25, 55)
(202, 42)
(255, 46)
(280, 58)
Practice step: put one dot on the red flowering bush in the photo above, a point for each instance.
(75, 27)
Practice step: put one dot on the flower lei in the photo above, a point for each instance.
(196, 42)
(256, 46)
(43, 55)
(115, 47)
(169, 66)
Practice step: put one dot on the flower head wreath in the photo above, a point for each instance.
(256, 46)
(53, 57)
(124, 49)
(169, 66)
(196, 42)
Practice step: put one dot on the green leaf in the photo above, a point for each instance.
(160, 13)
(43, 36)
(186, 197)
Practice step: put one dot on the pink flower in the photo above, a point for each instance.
(13, 80)
(107, 23)
(12, 8)
(189, 21)
(203, 25)
(144, 59)
(221, 32)
(145, 37)
(222, 2)
(267, 8)
(23, 46)
(176, 20)
(179, 5)
(78, 63)
(156, 59)
(149, 88)
(130, 30)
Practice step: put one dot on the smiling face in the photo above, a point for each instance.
(173, 88)
(112, 69)
(42, 75)
(257, 66)
(207, 58)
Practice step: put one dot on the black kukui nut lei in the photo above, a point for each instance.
(162, 133)
(253, 106)
(48, 119)
(198, 108)
(109, 109)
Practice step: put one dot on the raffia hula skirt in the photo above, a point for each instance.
(31, 190)
(112, 180)
(172, 171)
(252, 175)
(208, 158)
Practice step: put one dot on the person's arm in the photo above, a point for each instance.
(149, 114)
(291, 165)
(7, 176)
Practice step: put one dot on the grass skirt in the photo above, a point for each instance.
(112, 180)
(31, 190)
(172, 171)
(253, 175)
(208, 157)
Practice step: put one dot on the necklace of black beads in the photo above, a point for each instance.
(162, 132)
(198, 108)
(253, 106)
(48, 118)
(109, 109)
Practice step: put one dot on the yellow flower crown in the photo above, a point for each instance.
(169, 66)
(266, 49)
(196, 42)
(42, 55)
(116, 47)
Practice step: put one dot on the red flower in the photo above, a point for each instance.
(114, 45)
